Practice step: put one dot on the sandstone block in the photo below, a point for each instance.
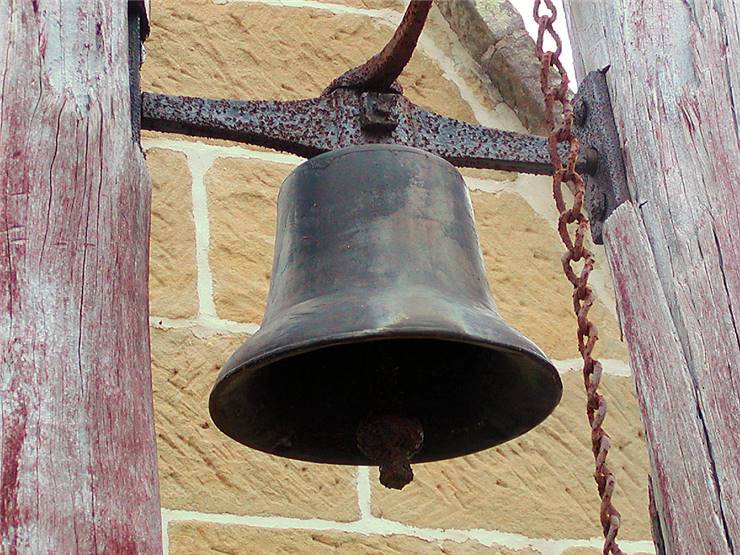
(190, 538)
(397, 5)
(488, 175)
(172, 268)
(539, 485)
(242, 208)
(494, 34)
(203, 470)
(522, 255)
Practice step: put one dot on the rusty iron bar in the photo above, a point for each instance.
(339, 119)
(380, 72)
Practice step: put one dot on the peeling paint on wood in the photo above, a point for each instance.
(77, 444)
(675, 253)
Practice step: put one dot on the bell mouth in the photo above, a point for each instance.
(308, 401)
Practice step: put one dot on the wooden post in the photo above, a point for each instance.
(674, 251)
(77, 447)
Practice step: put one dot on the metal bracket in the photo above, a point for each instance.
(138, 30)
(365, 105)
(606, 184)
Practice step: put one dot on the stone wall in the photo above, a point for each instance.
(213, 227)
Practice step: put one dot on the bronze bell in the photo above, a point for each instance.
(380, 342)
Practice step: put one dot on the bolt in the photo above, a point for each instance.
(580, 111)
(378, 112)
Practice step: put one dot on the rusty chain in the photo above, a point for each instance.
(560, 131)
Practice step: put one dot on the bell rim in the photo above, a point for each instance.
(546, 367)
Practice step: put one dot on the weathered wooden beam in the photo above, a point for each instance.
(675, 250)
(665, 390)
(77, 447)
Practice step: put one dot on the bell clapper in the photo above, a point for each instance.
(391, 441)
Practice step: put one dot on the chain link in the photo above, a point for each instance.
(561, 131)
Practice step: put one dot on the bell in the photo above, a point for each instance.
(381, 343)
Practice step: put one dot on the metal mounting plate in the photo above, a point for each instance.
(606, 185)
